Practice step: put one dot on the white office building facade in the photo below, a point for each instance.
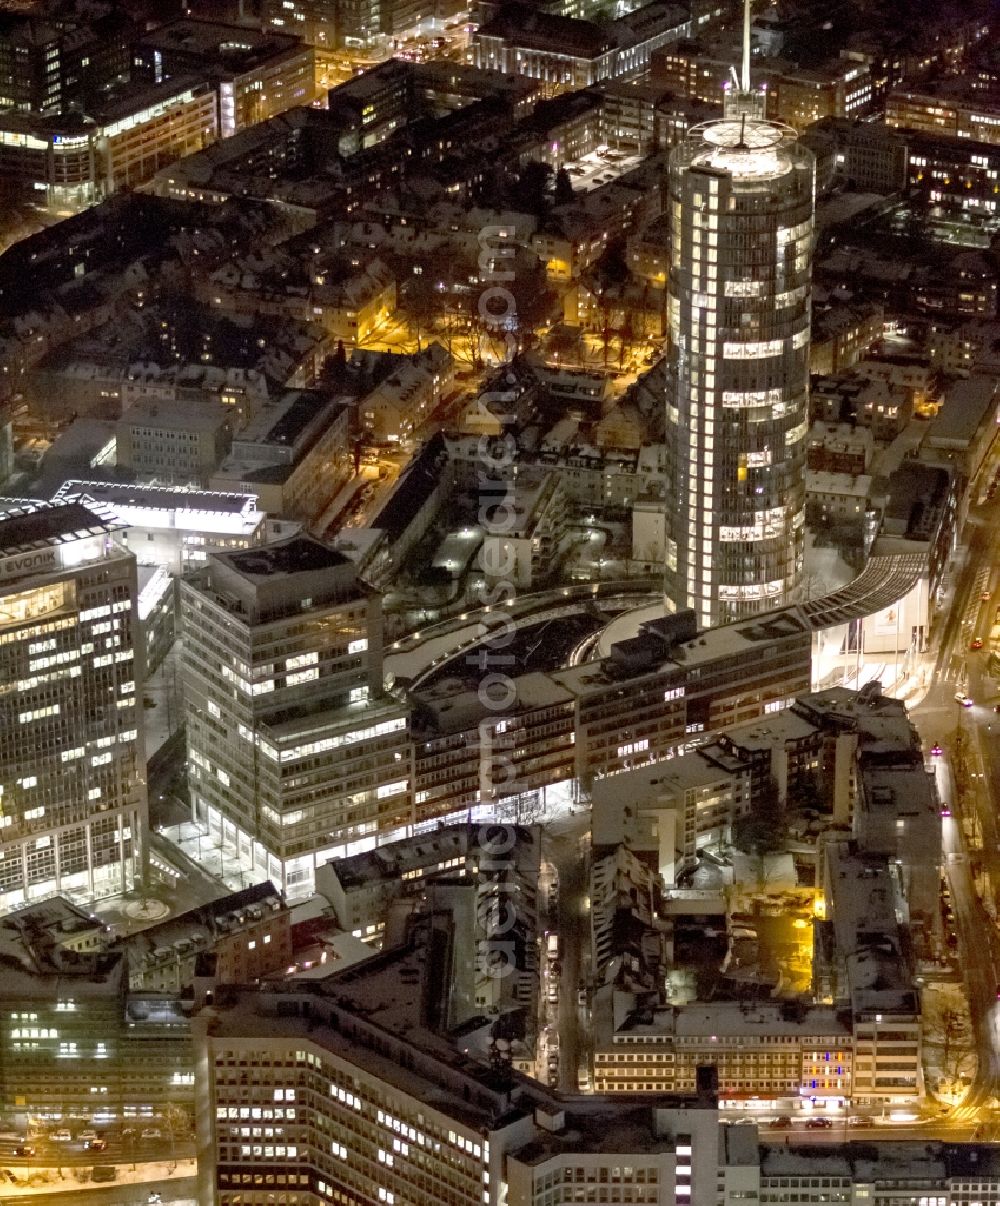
(297, 754)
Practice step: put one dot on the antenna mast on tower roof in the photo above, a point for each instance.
(742, 99)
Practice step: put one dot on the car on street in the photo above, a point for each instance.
(61, 1137)
(976, 643)
(818, 1124)
(96, 1145)
(965, 700)
(152, 1132)
(782, 1123)
(935, 750)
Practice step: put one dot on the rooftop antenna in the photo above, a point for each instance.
(746, 46)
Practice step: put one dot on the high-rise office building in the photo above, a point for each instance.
(72, 770)
(741, 215)
(297, 753)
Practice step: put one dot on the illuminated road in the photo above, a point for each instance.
(182, 1191)
(970, 838)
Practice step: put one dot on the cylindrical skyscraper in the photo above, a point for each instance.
(742, 198)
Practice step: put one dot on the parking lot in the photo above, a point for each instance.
(599, 168)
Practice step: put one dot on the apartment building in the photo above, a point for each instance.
(470, 871)
(347, 1088)
(236, 939)
(667, 811)
(523, 551)
(361, 888)
(398, 405)
(863, 965)
(589, 477)
(297, 752)
(842, 334)
(73, 806)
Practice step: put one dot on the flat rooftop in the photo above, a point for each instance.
(967, 404)
(299, 555)
(158, 498)
(177, 414)
(235, 47)
(51, 523)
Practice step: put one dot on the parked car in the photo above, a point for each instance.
(818, 1124)
(61, 1137)
(782, 1123)
(152, 1132)
(104, 1172)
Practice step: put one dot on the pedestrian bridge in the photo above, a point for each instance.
(883, 582)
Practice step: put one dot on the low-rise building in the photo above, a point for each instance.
(237, 939)
(397, 406)
(842, 334)
(843, 500)
(295, 455)
(176, 442)
(529, 547)
(839, 448)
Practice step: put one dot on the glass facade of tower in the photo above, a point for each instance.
(742, 198)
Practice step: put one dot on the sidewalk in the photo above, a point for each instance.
(153, 1173)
